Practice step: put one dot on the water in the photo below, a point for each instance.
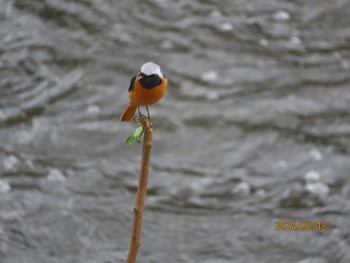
(254, 129)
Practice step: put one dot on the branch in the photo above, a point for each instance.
(141, 191)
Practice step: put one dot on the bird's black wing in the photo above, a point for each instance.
(132, 83)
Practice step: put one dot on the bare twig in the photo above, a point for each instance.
(141, 191)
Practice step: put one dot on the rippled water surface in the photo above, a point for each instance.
(254, 129)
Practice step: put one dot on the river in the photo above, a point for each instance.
(254, 130)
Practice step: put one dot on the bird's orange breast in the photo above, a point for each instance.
(140, 96)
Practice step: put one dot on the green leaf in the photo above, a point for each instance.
(135, 136)
(138, 133)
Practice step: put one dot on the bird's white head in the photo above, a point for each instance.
(151, 68)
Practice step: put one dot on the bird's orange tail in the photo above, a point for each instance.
(129, 113)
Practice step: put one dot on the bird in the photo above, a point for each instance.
(146, 88)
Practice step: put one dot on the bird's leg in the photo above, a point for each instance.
(148, 116)
(138, 108)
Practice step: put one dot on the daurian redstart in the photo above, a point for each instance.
(146, 88)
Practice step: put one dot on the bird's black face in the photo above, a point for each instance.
(149, 81)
